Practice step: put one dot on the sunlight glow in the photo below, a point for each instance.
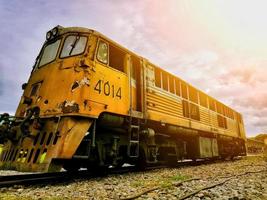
(239, 24)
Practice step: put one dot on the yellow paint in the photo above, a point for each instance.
(73, 132)
(1, 149)
(58, 89)
(100, 89)
(42, 158)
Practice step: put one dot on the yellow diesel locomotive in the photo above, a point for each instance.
(90, 102)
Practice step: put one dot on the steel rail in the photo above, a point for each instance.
(35, 178)
(61, 177)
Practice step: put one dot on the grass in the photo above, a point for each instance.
(137, 183)
(164, 182)
(13, 197)
(168, 182)
(179, 177)
(7, 196)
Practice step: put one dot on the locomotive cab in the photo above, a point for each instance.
(78, 79)
(63, 53)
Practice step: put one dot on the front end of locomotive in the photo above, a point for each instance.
(52, 117)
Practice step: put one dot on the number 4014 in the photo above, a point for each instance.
(108, 89)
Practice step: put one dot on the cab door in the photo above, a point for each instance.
(109, 90)
(136, 84)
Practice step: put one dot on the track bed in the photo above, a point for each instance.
(240, 178)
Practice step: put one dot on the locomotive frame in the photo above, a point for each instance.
(89, 102)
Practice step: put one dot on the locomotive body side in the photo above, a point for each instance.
(90, 102)
(179, 107)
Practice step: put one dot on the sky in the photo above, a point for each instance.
(219, 46)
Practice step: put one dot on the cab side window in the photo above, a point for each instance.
(111, 55)
(102, 52)
(157, 77)
(116, 58)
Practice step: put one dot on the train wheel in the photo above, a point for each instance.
(71, 166)
(141, 161)
(172, 161)
(122, 157)
(98, 170)
(119, 163)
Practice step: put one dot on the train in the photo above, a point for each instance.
(92, 103)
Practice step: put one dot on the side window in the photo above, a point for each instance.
(171, 84)
(193, 94)
(219, 107)
(222, 122)
(231, 113)
(194, 112)
(212, 104)
(112, 55)
(102, 52)
(157, 77)
(184, 90)
(177, 86)
(116, 58)
(165, 80)
(224, 110)
(185, 108)
(203, 99)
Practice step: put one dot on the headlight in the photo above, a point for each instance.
(54, 31)
(48, 35)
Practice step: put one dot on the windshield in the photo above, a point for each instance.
(49, 53)
(73, 45)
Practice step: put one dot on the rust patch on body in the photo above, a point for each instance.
(81, 83)
(70, 107)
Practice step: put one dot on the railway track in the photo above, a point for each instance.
(31, 179)
(220, 182)
(200, 184)
(246, 176)
(61, 177)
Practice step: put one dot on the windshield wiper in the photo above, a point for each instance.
(74, 44)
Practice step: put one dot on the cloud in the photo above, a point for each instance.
(195, 41)
(255, 100)
(1, 83)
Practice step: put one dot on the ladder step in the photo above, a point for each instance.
(80, 157)
(134, 141)
(135, 127)
(133, 156)
(172, 154)
(133, 146)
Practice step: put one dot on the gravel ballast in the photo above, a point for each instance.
(244, 178)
